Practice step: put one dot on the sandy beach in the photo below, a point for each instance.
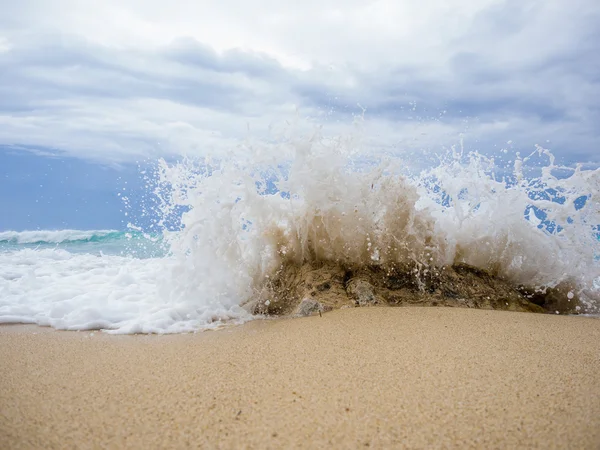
(354, 378)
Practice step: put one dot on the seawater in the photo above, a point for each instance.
(223, 226)
(99, 242)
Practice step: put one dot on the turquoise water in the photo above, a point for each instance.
(106, 242)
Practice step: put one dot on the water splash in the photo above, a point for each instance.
(230, 224)
(311, 199)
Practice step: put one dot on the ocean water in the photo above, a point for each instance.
(221, 227)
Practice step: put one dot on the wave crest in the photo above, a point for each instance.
(313, 203)
(54, 236)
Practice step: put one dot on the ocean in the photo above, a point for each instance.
(221, 228)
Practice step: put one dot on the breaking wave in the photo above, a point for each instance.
(230, 225)
(56, 237)
(312, 200)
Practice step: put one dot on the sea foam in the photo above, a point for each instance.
(312, 199)
(51, 236)
(83, 291)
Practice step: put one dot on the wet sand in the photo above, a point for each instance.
(354, 378)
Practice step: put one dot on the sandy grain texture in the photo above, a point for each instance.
(354, 378)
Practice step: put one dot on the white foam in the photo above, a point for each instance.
(82, 291)
(333, 212)
(52, 236)
(329, 205)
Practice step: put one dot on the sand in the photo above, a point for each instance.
(354, 378)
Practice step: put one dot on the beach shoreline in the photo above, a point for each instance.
(417, 377)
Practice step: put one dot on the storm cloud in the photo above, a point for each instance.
(128, 80)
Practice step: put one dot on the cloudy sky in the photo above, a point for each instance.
(103, 84)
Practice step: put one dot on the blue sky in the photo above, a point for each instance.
(62, 192)
(91, 88)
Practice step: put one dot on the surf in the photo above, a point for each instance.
(236, 229)
(310, 202)
(55, 236)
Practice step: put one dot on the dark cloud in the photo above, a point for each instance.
(190, 52)
(537, 98)
(502, 19)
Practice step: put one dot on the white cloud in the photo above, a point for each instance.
(111, 80)
(363, 32)
(5, 45)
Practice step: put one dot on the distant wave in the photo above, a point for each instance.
(59, 236)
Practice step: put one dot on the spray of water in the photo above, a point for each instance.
(231, 226)
(312, 199)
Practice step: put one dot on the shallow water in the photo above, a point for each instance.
(305, 199)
